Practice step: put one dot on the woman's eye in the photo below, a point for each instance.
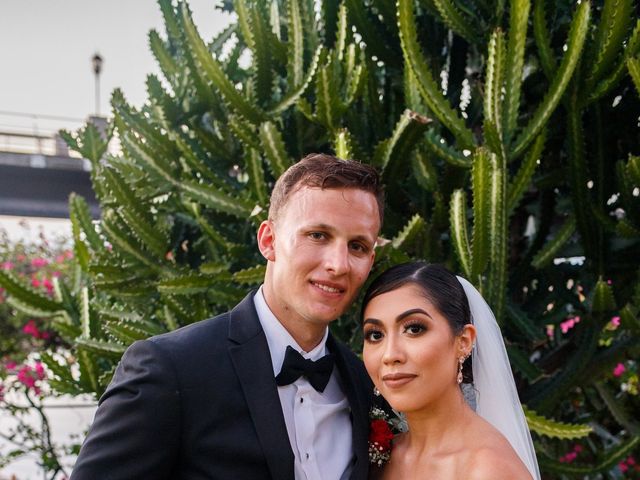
(414, 329)
(373, 336)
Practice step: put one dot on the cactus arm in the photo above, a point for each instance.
(292, 97)
(437, 146)
(553, 246)
(495, 74)
(542, 37)
(273, 146)
(577, 36)
(459, 236)
(429, 89)
(481, 188)
(514, 64)
(525, 173)
(455, 20)
(256, 176)
(633, 64)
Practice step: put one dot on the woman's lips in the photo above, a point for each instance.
(397, 380)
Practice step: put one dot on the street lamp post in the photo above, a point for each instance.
(96, 61)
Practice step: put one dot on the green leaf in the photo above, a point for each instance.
(214, 72)
(523, 177)
(458, 218)
(481, 187)
(633, 64)
(543, 40)
(273, 146)
(519, 16)
(295, 44)
(343, 147)
(498, 237)
(438, 146)
(407, 133)
(26, 295)
(553, 246)
(521, 363)
(295, 93)
(411, 230)
(494, 81)
(577, 36)
(553, 429)
(424, 171)
(214, 198)
(256, 176)
(101, 347)
(431, 93)
(250, 276)
(456, 20)
(614, 23)
(189, 283)
(602, 297)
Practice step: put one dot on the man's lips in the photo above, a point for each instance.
(328, 287)
(396, 380)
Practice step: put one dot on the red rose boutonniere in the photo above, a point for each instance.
(380, 436)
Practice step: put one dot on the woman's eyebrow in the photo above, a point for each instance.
(399, 318)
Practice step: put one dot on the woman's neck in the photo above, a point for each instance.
(439, 425)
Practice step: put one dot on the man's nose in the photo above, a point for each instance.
(337, 258)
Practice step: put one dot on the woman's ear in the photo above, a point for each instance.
(267, 240)
(466, 340)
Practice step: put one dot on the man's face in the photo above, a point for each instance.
(320, 250)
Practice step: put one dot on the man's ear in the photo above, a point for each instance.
(267, 240)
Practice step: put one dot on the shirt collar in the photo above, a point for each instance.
(279, 339)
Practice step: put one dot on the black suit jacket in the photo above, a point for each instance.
(202, 403)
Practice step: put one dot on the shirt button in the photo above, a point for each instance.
(302, 400)
(307, 456)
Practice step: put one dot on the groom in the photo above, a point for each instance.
(263, 391)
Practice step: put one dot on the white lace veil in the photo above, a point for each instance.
(496, 395)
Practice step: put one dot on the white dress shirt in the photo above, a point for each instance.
(318, 424)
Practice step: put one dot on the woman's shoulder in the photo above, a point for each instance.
(492, 457)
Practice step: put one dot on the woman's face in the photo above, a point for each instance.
(410, 351)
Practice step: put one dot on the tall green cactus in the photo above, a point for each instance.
(493, 124)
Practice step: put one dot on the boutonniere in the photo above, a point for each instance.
(380, 436)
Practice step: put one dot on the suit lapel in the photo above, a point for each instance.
(252, 361)
(359, 405)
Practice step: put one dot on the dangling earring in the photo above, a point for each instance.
(376, 392)
(460, 362)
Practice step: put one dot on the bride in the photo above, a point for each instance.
(426, 332)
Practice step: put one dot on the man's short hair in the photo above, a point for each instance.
(320, 170)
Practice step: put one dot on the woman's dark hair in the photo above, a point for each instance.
(439, 286)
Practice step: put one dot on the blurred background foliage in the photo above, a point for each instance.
(507, 134)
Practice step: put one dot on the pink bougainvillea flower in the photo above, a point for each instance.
(35, 283)
(30, 328)
(46, 283)
(39, 262)
(623, 467)
(10, 365)
(578, 448)
(7, 265)
(615, 321)
(56, 274)
(68, 253)
(550, 329)
(618, 370)
(569, 323)
(631, 461)
(39, 369)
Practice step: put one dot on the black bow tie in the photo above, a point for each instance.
(296, 366)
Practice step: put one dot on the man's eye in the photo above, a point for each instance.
(373, 336)
(316, 235)
(358, 247)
